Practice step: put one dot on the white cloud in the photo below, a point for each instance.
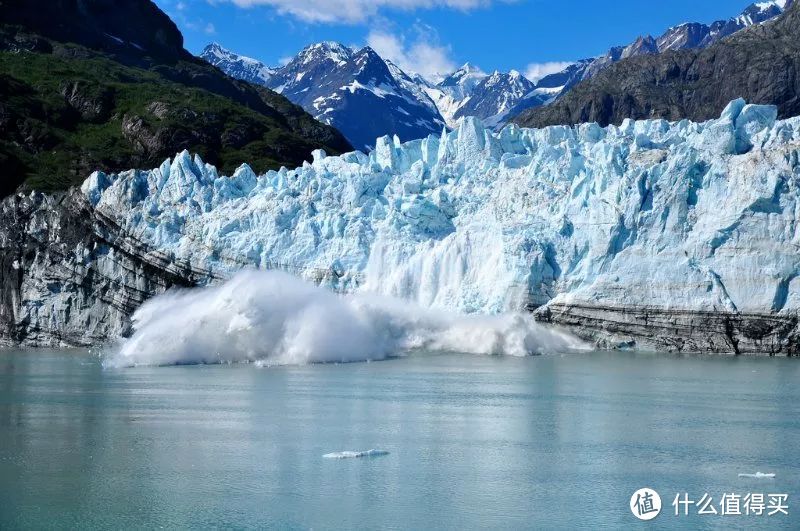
(353, 11)
(536, 71)
(424, 55)
(210, 29)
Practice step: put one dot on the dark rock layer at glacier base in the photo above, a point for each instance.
(69, 276)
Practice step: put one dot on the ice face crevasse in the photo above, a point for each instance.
(688, 216)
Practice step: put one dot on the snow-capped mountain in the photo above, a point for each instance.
(237, 66)
(355, 91)
(366, 96)
(566, 78)
(494, 96)
(754, 14)
(413, 83)
(450, 93)
(461, 82)
(470, 92)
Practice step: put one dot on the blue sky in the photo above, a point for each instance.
(432, 36)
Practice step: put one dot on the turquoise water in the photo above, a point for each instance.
(474, 442)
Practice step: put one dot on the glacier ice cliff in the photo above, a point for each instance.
(679, 236)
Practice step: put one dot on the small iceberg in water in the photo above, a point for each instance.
(347, 455)
(758, 475)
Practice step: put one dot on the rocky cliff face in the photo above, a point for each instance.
(760, 63)
(70, 276)
(134, 27)
(677, 330)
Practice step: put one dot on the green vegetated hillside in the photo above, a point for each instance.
(76, 96)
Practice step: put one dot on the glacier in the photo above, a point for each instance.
(680, 235)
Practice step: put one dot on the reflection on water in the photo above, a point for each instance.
(474, 441)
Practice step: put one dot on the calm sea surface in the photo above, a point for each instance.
(474, 442)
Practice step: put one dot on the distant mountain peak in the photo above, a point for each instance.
(368, 54)
(356, 91)
(332, 50)
(217, 50)
(238, 66)
(469, 67)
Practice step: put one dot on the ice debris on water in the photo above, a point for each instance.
(757, 475)
(350, 454)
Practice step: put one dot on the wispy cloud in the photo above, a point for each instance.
(354, 11)
(184, 15)
(421, 54)
(536, 71)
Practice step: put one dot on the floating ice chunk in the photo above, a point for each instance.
(350, 454)
(758, 475)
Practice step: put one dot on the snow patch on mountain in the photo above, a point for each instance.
(491, 97)
(495, 96)
(685, 36)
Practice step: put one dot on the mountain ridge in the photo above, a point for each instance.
(356, 91)
(465, 92)
(760, 63)
(495, 98)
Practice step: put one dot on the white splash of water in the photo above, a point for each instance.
(272, 318)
